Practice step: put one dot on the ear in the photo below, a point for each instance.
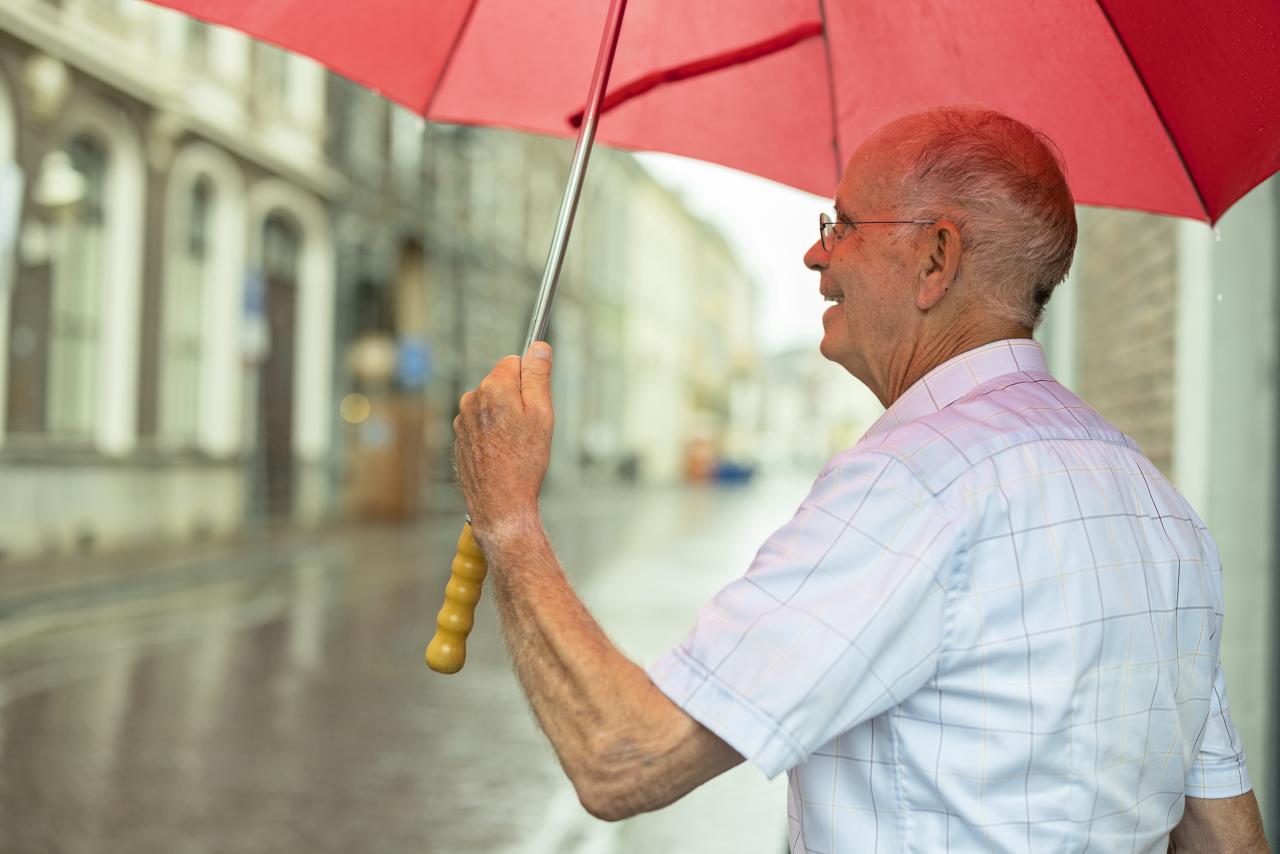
(940, 264)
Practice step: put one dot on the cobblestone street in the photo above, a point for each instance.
(273, 698)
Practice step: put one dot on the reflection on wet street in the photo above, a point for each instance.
(274, 698)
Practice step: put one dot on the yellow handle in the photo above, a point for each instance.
(448, 649)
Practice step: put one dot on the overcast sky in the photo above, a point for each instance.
(770, 226)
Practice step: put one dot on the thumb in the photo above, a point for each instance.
(535, 376)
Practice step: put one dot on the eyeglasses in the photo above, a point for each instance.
(828, 235)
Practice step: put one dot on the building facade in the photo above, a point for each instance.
(236, 290)
(169, 283)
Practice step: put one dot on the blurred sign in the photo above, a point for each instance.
(413, 363)
(255, 334)
(11, 185)
(377, 432)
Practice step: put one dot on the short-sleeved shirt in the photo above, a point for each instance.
(992, 625)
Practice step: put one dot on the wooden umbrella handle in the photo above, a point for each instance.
(447, 651)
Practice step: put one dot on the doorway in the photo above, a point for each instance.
(281, 245)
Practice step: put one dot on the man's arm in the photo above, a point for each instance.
(625, 746)
(1221, 826)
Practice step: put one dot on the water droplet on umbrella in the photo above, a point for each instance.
(1219, 297)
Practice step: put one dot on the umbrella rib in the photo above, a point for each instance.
(1186, 167)
(831, 92)
(698, 67)
(448, 60)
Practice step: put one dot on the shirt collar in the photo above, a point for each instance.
(958, 376)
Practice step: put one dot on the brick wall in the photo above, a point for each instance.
(1127, 314)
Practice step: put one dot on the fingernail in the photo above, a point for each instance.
(540, 350)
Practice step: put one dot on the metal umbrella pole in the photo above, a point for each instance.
(447, 651)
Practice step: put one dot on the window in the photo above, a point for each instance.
(271, 80)
(197, 36)
(280, 246)
(366, 129)
(79, 262)
(406, 141)
(184, 299)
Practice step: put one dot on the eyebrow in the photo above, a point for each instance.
(841, 213)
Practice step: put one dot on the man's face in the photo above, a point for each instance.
(868, 270)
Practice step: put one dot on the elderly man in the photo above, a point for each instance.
(993, 624)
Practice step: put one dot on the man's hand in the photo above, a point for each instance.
(503, 443)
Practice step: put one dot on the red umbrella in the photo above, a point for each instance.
(1168, 107)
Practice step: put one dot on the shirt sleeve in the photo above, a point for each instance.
(1218, 770)
(840, 617)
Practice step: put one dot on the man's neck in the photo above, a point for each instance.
(929, 353)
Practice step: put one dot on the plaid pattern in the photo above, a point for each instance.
(993, 625)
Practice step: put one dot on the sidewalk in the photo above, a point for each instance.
(39, 575)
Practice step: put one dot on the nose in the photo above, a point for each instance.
(816, 258)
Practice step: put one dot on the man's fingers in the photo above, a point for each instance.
(503, 380)
(507, 371)
(535, 376)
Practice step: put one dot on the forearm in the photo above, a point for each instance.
(597, 708)
(561, 656)
(1220, 825)
(626, 747)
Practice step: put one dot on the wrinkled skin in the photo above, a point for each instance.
(502, 443)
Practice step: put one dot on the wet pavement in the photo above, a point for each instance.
(273, 698)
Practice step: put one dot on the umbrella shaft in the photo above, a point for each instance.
(573, 189)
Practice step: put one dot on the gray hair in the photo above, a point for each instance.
(1002, 183)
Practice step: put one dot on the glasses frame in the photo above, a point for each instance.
(827, 225)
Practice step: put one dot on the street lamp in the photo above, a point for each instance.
(58, 189)
(48, 84)
(60, 185)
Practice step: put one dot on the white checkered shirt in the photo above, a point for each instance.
(993, 625)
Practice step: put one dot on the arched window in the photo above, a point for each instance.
(280, 246)
(184, 315)
(78, 267)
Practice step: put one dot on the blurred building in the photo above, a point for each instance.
(652, 320)
(171, 277)
(685, 336)
(237, 290)
(1170, 329)
(816, 410)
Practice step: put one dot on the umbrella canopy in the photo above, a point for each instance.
(1171, 106)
